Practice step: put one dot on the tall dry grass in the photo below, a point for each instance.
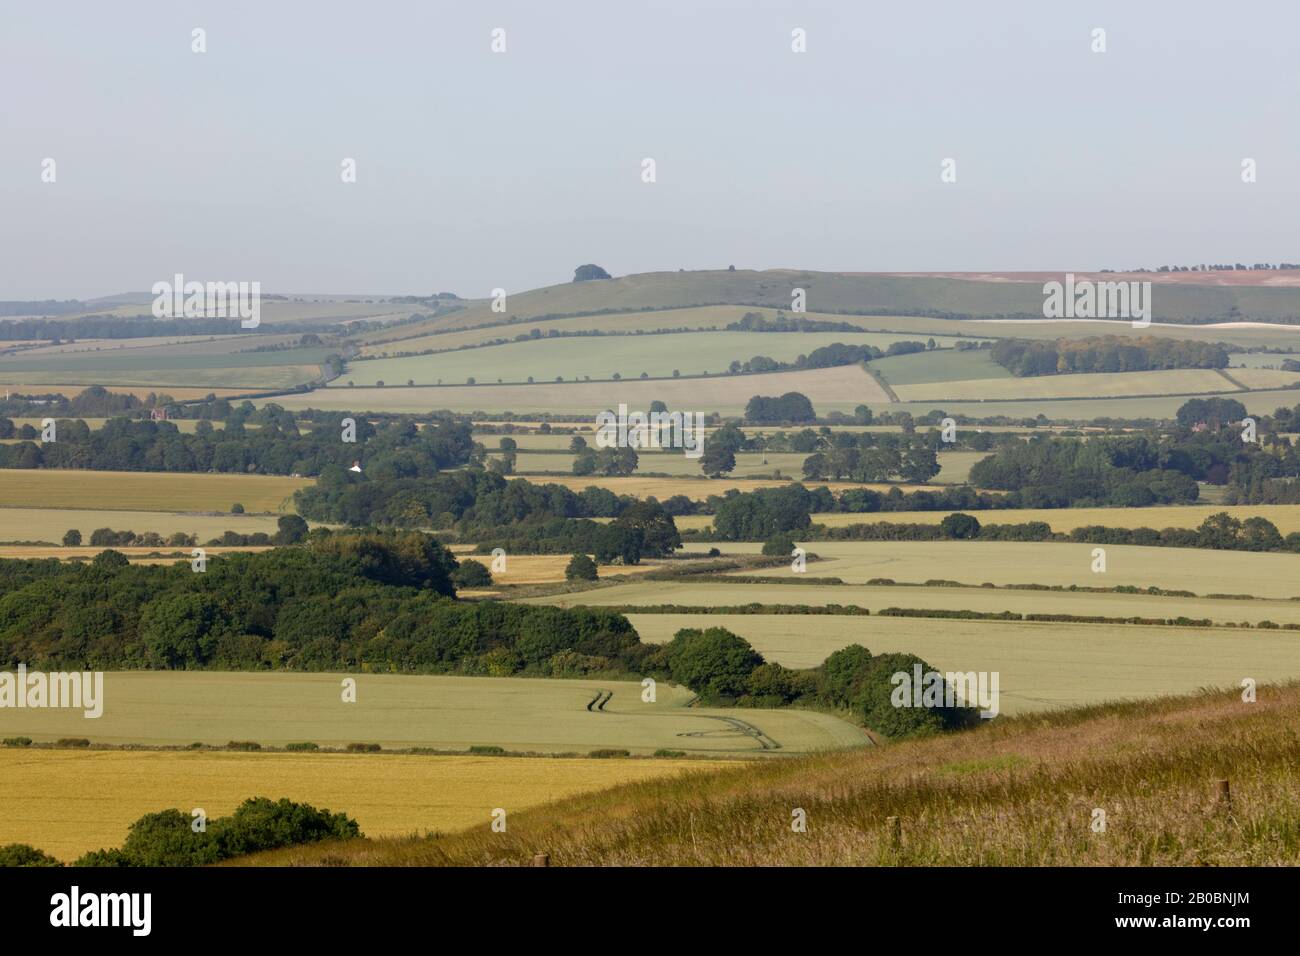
(1018, 791)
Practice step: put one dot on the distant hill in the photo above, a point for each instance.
(1003, 295)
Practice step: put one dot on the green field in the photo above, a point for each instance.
(1102, 385)
(448, 713)
(864, 294)
(600, 357)
(842, 388)
(946, 365)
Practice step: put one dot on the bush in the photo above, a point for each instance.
(605, 753)
(72, 742)
(714, 663)
(167, 838)
(364, 748)
(959, 526)
(243, 745)
(20, 854)
(471, 574)
(581, 568)
(305, 745)
(18, 741)
(779, 545)
(661, 752)
(487, 750)
(236, 509)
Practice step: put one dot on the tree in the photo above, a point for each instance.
(715, 663)
(472, 574)
(236, 509)
(291, 529)
(72, 538)
(581, 568)
(920, 464)
(659, 531)
(717, 460)
(577, 444)
(586, 273)
(959, 526)
(779, 545)
(790, 407)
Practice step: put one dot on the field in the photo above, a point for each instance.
(1198, 570)
(546, 568)
(600, 357)
(875, 597)
(401, 711)
(68, 802)
(946, 365)
(1285, 517)
(840, 388)
(1103, 385)
(863, 293)
(145, 491)
(1041, 666)
(1018, 792)
(30, 523)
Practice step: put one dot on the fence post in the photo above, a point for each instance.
(895, 827)
(541, 859)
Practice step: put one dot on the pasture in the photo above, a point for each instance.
(600, 357)
(539, 715)
(841, 388)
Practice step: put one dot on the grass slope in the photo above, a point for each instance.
(1018, 791)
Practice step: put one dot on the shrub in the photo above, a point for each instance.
(20, 854)
(605, 753)
(487, 750)
(363, 748)
(471, 574)
(779, 545)
(581, 568)
(72, 742)
(714, 663)
(18, 741)
(661, 752)
(305, 745)
(243, 745)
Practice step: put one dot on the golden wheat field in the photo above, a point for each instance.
(145, 491)
(68, 802)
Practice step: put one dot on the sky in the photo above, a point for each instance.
(477, 170)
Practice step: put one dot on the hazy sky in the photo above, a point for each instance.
(477, 170)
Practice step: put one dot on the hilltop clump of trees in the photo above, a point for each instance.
(1107, 353)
